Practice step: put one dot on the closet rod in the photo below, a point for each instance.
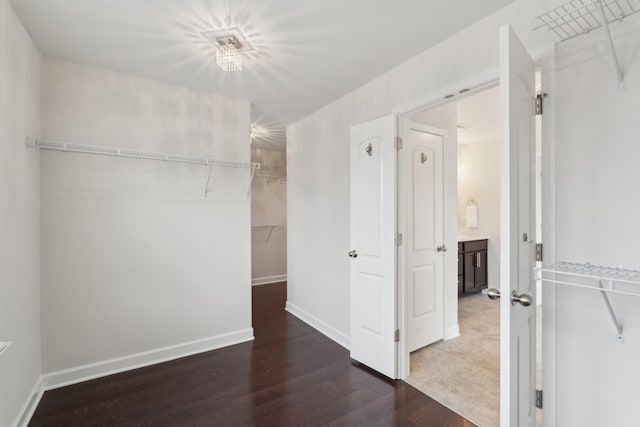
(124, 152)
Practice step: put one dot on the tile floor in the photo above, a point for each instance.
(464, 373)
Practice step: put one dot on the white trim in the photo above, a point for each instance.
(452, 332)
(134, 361)
(548, 68)
(267, 280)
(319, 325)
(30, 405)
(473, 85)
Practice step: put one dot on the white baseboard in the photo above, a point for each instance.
(452, 332)
(30, 405)
(319, 325)
(91, 371)
(270, 279)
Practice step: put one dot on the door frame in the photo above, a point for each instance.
(545, 59)
(438, 98)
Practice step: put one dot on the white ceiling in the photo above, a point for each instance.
(481, 112)
(305, 53)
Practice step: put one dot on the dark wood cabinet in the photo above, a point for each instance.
(472, 266)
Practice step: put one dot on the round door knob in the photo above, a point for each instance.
(493, 293)
(441, 248)
(353, 254)
(522, 299)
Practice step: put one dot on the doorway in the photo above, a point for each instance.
(455, 346)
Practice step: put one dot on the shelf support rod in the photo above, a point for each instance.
(266, 239)
(253, 173)
(612, 313)
(206, 187)
(612, 47)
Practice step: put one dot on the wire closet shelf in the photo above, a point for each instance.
(136, 154)
(605, 280)
(578, 17)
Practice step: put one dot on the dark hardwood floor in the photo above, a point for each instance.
(291, 375)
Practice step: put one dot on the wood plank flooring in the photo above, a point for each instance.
(291, 375)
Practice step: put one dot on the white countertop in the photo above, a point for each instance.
(466, 238)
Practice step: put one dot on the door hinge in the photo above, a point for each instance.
(396, 335)
(539, 103)
(539, 253)
(398, 143)
(398, 239)
(539, 399)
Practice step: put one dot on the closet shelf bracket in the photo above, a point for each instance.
(605, 280)
(266, 239)
(206, 186)
(253, 174)
(612, 312)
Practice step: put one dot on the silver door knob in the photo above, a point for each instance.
(353, 254)
(441, 248)
(522, 299)
(493, 293)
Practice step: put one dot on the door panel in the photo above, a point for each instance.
(370, 198)
(373, 226)
(517, 194)
(425, 279)
(425, 206)
(425, 293)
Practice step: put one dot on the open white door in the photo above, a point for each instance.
(517, 212)
(424, 162)
(373, 250)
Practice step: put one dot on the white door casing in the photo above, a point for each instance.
(424, 163)
(373, 251)
(517, 211)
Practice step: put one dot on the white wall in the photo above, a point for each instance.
(19, 217)
(479, 179)
(598, 207)
(318, 158)
(597, 210)
(268, 209)
(134, 258)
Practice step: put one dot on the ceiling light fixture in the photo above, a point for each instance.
(228, 56)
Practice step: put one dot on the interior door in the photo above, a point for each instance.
(425, 235)
(373, 250)
(517, 194)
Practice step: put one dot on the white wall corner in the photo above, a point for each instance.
(30, 405)
(91, 371)
(452, 332)
(267, 280)
(319, 325)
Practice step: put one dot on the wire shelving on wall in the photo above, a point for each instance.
(578, 17)
(605, 280)
(147, 155)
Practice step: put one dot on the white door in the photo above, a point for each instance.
(425, 235)
(373, 251)
(517, 212)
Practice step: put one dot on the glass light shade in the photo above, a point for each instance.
(228, 57)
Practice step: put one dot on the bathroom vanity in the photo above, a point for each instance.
(472, 265)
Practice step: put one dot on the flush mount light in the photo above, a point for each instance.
(228, 56)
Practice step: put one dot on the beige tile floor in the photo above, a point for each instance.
(464, 373)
